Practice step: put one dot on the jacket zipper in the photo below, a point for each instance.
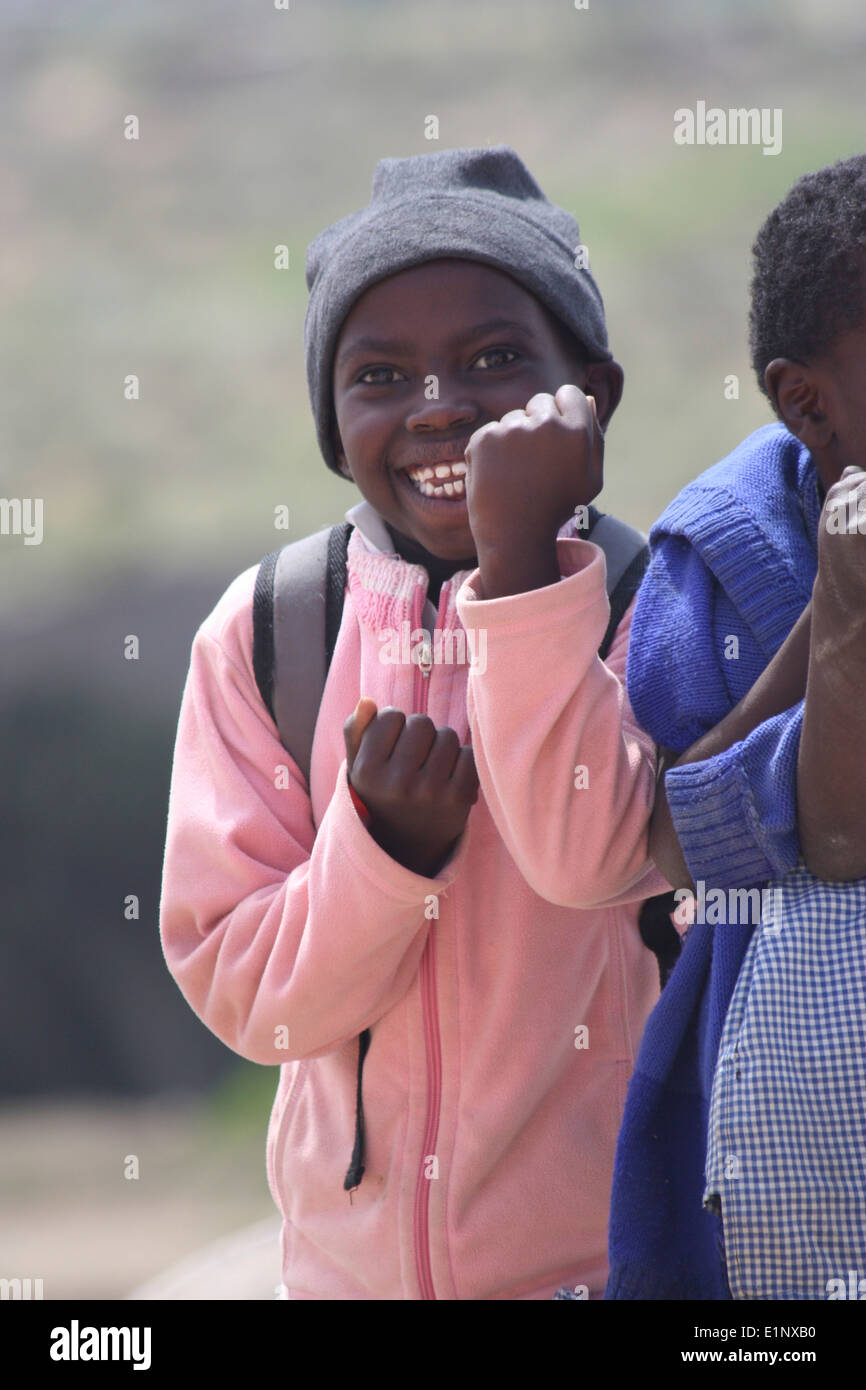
(432, 1041)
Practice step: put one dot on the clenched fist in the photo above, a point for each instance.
(417, 782)
(526, 474)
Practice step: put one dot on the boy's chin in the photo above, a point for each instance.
(456, 548)
(439, 525)
(461, 554)
(464, 560)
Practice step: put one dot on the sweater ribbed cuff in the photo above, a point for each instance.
(711, 808)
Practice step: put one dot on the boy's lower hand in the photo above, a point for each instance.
(417, 782)
(526, 474)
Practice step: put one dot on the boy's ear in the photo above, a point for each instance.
(799, 401)
(604, 380)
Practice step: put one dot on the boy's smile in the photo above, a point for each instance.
(425, 358)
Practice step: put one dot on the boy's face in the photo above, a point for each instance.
(487, 344)
(823, 402)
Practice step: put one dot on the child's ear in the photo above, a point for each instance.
(799, 401)
(604, 380)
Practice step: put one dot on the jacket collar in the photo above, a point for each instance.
(383, 584)
(371, 526)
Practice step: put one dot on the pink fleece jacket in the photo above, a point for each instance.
(506, 996)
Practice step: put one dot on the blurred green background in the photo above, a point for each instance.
(156, 257)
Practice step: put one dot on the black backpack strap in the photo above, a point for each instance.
(297, 608)
(626, 588)
(263, 630)
(335, 585)
(627, 555)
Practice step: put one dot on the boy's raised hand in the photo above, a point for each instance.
(417, 782)
(841, 588)
(831, 786)
(526, 474)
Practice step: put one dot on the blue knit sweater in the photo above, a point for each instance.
(734, 558)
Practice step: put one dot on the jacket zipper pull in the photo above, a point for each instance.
(425, 657)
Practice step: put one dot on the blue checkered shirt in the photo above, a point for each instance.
(787, 1129)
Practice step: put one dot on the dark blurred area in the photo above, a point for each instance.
(85, 762)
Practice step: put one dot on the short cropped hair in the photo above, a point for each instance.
(808, 263)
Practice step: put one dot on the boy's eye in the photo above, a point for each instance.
(496, 352)
(376, 372)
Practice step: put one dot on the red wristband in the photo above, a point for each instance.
(363, 811)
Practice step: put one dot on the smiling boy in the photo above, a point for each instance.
(408, 455)
(377, 930)
(406, 409)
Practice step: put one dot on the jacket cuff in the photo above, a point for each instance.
(375, 864)
(581, 584)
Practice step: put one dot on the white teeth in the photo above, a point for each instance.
(451, 471)
(420, 479)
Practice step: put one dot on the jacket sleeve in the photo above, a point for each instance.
(735, 814)
(285, 941)
(568, 775)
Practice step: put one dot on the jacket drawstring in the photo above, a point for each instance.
(335, 588)
(356, 1166)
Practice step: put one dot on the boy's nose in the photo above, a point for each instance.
(441, 414)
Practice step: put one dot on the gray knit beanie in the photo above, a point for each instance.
(478, 204)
